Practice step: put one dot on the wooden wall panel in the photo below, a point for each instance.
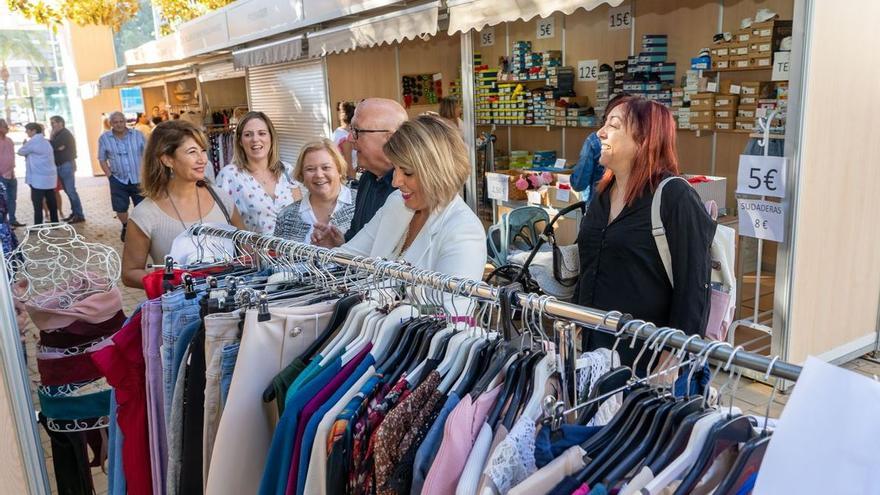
(224, 93)
(736, 10)
(587, 37)
(154, 96)
(834, 299)
(694, 152)
(360, 74)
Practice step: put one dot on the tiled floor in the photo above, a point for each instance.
(102, 226)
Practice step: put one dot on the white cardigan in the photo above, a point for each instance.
(452, 241)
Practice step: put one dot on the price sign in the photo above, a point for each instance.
(563, 194)
(761, 175)
(560, 163)
(761, 219)
(588, 70)
(534, 197)
(620, 18)
(781, 66)
(497, 186)
(487, 37)
(546, 28)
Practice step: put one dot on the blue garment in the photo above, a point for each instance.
(599, 490)
(281, 451)
(748, 485)
(40, 161)
(698, 383)
(431, 444)
(547, 448)
(311, 371)
(68, 182)
(11, 194)
(312, 426)
(123, 155)
(180, 322)
(228, 357)
(115, 474)
(588, 170)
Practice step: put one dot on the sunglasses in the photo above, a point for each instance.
(355, 131)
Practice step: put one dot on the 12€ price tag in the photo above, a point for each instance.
(761, 175)
(497, 186)
(588, 70)
(761, 219)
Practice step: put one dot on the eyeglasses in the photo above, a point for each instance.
(355, 131)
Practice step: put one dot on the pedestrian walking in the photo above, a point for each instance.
(119, 152)
(41, 173)
(64, 146)
(7, 171)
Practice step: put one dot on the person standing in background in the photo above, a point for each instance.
(142, 123)
(451, 111)
(64, 146)
(345, 113)
(7, 171)
(119, 152)
(41, 174)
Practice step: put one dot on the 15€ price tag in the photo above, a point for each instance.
(620, 17)
(497, 186)
(761, 175)
(761, 219)
(487, 36)
(546, 28)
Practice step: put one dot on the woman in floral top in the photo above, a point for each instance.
(257, 180)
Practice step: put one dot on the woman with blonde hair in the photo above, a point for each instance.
(327, 200)
(175, 197)
(258, 180)
(425, 222)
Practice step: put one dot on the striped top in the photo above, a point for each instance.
(123, 154)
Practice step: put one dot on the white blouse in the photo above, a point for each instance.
(258, 210)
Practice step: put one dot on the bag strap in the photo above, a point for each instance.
(657, 229)
(217, 200)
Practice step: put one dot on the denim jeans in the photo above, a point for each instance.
(68, 182)
(228, 356)
(221, 329)
(11, 195)
(115, 474)
(180, 321)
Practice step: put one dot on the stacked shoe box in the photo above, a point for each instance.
(604, 90)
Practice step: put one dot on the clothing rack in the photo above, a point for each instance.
(611, 321)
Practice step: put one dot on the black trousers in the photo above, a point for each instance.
(37, 196)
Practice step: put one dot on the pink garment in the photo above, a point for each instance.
(582, 490)
(459, 434)
(7, 158)
(95, 308)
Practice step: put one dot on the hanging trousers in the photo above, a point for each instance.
(246, 426)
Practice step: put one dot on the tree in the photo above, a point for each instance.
(113, 13)
(17, 45)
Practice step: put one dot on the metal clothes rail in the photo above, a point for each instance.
(612, 321)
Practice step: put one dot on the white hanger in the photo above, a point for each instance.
(349, 330)
(462, 365)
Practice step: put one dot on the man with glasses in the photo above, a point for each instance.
(374, 121)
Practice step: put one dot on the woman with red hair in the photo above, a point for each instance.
(621, 268)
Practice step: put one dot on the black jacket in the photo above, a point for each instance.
(371, 195)
(621, 268)
(63, 138)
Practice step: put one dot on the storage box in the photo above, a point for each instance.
(728, 125)
(760, 47)
(711, 189)
(701, 63)
(742, 35)
(745, 124)
(702, 116)
(654, 39)
(720, 50)
(748, 101)
(553, 197)
(740, 48)
(745, 113)
(721, 63)
(703, 101)
(762, 89)
(770, 29)
(761, 61)
(726, 102)
(706, 126)
(740, 62)
(725, 115)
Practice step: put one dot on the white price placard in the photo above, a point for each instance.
(497, 186)
(560, 163)
(534, 197)
(563, 194)
(781, 66)
(546, 28)
(761, 175)
(588, 70)
(761, 219)
(620, 17)
(487, 36)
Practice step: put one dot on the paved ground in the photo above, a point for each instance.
(103, 227)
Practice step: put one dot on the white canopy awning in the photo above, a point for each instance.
(465, 15)
(116, 77)
(389, 28)
(286, 50)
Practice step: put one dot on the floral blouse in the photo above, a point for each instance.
(258, 210)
